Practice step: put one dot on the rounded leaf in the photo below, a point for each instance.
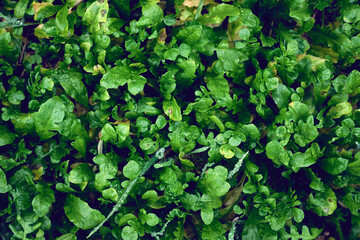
(129, 233)
(152, 219)
(131, 170)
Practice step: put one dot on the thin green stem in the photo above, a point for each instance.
(233, 229)
(157, 234)
(237, 166)
(199, 9)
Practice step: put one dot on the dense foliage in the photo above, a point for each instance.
(180, 119)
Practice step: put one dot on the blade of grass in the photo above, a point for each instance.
(237, 166)
(199, 9)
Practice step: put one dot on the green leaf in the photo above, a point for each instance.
(244, 34)
(298, 214)
(4, 187)
(107, 170)
(171, 54)
(230, 58)
(43, 201)
(6, 136)
(9, 50)
(213, 231)
(146, 144)
(339, 43)
(107, 165)
(25, 123)
(300, 160)
(305, 233)
(267, 41)
(143, 124)
(122, 131)
(50, 114)
(214, 182)
(351, 13)
(150, 196)
(131, 169)
(169, 20)
(340, 110)
(20, 8)
(61, 21)
(96, 13)
(72, 128)
(299, 9)
(172, 110)
(108, 133)
(334, 165)
(61, 187)
(28, 222)
(44, 10)
(316, 182)
(152, 15)
(7, 163)
(276, 152)
(233, 141)
(81, 174)
(305, 134)
(204, 81)
(15, 97)
(151, 219)
(324, 203)
(218, 86)
(80, 214)
(339, 83)
(190, 35)
(111, 194)
(210, 202)
(227, 150)
(352, 84)
(73, 85)
(167, 176)
(218, 13)
(80, 144)
(254, 228)
(67, 236)
(136, 84)
(338, 98)
(187, 72)
(125, 219)
(352, 201)
(184, 50)
(129, 233)
(354, 168)
(119, 75)
(299, 111)
(272, 83)
(168, 83)
(207, 215)
(252, 131)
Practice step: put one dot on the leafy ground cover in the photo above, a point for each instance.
(180, 119)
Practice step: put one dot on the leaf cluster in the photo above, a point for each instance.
(179, 119)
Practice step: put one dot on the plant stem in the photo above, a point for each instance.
(199, 9)
(237, 166)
